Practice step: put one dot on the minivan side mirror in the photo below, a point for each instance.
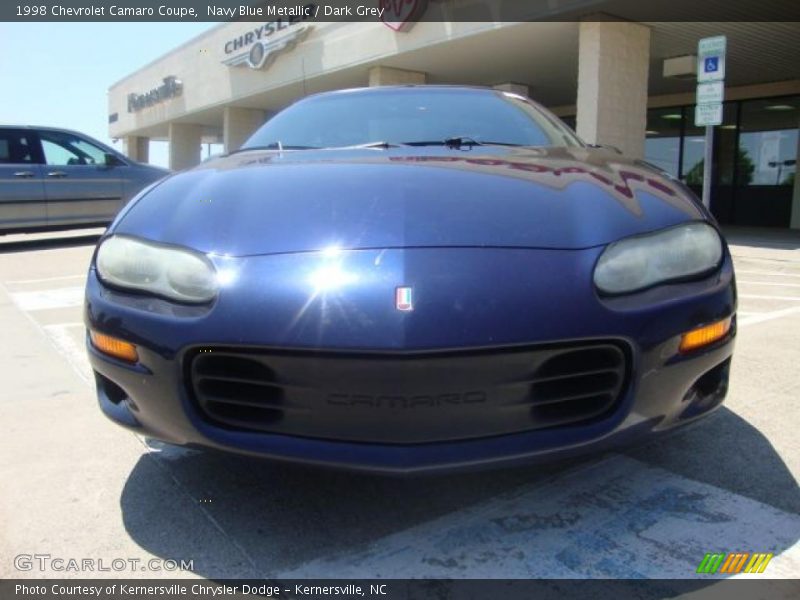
(112, 160)
(606, 147)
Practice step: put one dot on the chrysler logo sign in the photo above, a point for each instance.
(262, 53)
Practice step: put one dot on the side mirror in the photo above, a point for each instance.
(112, 160)
(606, 147)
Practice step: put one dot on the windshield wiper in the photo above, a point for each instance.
(458, 142)
(371, 145)
(450, 142)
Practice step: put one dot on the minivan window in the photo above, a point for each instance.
(62, 149)
(15, 147)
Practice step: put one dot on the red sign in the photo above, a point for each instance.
(401, 15)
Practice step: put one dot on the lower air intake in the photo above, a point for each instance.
(408, 398)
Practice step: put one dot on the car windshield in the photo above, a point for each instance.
(411, 116)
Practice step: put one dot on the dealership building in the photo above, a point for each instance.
(626, 83)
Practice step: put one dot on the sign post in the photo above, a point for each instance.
(710, 94)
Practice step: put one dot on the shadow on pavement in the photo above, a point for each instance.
(283, 514)
(259, 518)
(762, 237)
(727, 452)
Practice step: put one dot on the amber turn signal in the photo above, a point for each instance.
(114, 347)
(703, 336)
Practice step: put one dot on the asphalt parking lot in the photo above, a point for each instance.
(76, 486)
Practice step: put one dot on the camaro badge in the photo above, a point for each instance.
(402, 299)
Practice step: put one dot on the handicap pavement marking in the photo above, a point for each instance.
(616, 518)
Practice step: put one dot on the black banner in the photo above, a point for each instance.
(394, 589)
(398, 12)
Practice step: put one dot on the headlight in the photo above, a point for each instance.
(175, 273)
(640, 262)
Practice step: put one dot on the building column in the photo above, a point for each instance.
(184, 145)
(136, 148)
(515, 88)
(613, 64)
(391, 76)
(238, 124)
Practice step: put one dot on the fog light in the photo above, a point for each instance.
(114, 347)
(703, 336)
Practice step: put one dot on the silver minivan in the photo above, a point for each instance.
(55, 179)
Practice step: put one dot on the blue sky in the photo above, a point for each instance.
(58, 74)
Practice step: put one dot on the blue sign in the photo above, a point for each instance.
(711, 64)
(711, 59)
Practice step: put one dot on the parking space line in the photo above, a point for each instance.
(767, 273)
(797, 285)
(766, 297)
(773, 261)
(754, 318)
(49, 299)
(67, 347)
(45, 279)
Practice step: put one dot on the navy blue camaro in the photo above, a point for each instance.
(412, 279)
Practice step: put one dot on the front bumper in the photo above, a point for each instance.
(660, 388)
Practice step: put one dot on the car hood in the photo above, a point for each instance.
(263, 202)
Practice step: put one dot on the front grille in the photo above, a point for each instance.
(407, 397)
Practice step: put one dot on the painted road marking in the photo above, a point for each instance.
(44, 279)
(766, 297)
(619, 517)
(754, 318)
(74, 353)
(773, 261)
(767, 273)
(797, 285)
(49, 299)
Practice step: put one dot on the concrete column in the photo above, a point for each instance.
(392, 76)
(136, 148)
(613, 63)
(184, 145)
(514, 88)
(238, 124)
(795, 219)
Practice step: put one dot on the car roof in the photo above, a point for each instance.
(42, 128)
(381, 89)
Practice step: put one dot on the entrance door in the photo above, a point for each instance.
(767, 150)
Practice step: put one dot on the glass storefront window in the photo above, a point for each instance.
(755, 156)
(768, 139)
(694, 147)
(727, 160)
(663, 139)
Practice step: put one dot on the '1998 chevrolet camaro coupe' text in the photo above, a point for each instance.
(411, 279)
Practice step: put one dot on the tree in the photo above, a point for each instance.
(745, 169)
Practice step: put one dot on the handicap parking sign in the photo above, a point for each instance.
(711, 59)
